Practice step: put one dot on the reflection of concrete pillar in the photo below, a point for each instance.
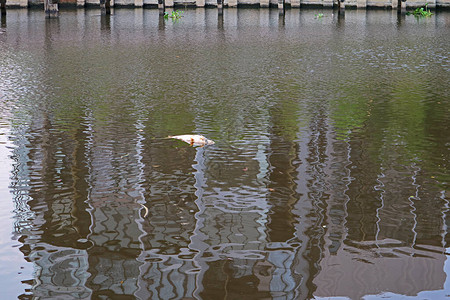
(105, 22)
(281, 20)
(51, 8)
(400, 19)
(161, 21)
(220, 21)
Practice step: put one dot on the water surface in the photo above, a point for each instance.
(329, 176)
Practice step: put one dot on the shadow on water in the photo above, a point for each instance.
(220, 21)
(105, 22)
(329, 175)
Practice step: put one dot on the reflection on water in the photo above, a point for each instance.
(329, 176)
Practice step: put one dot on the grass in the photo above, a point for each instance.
(174, 15)
(421, 12)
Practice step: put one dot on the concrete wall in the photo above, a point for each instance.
(17, 3)
(233, 3)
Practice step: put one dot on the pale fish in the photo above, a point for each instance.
(193, 139)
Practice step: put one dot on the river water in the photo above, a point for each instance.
(328, 179)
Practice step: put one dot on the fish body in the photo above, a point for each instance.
(193, 139)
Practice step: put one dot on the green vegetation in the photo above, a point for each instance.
(421, 12)
(318, 16)
(174, 15)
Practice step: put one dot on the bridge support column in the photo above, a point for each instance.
(161, 7)
(401, 8)
(105, 7)
(342, 6)
(51, 8)
(3, 7)
(281, 7)
(220, 7)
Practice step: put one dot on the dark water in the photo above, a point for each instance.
(329, 176)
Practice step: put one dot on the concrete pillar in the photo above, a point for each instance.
(220, 7)
(394, 4)
(361, 3)
(295, 3)
(138, 3)
(327, 3)
(3, 7)
(81, 3)
(169, 3)
(342, 6)
(281, 7)
(200, 3)
(105, 7)
(401, 7)
(23, 3)
(51, 8)
(105, 23)
(232, 3)
(264, 3)
(161, 7)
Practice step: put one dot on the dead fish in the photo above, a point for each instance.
(193, 139)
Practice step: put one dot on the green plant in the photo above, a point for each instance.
(318, 16)
(174, 15)
(421, 12)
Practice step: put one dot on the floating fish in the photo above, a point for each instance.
(193, 139)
